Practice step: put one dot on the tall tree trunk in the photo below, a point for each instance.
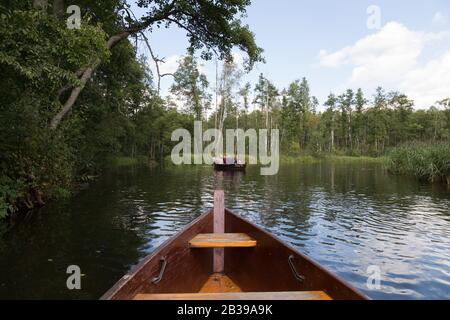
(350, 136)
(332, 131)
(216, 93)
(59, 8)
(67, 107)
(197, 104)
(40, 4)
(332, 140)
(87, 74)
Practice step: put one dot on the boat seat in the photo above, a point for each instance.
(222, 240)
(288, 295)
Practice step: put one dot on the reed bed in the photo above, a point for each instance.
(425, 161)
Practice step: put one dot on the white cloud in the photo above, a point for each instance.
(334, 60)
(238, 58)
(430, 83)
(439, 18)
(390, 58)
(387, 53)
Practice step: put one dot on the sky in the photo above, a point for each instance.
(401, 45)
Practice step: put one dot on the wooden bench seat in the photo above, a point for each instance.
(252, 296)
(222, 240)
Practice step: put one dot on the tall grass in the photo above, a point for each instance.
(424, 161)
(328, 158)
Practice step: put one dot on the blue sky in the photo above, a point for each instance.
(410, 53)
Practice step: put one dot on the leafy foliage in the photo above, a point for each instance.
(191, 86)
(40, 50)
(119, 112)
(214, 27)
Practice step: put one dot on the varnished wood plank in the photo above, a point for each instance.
(265, 268)
(220, 283)
(179, 257)
(222, 240)
(219, 227)
(288, 295)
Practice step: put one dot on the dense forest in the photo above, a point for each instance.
(74, 98)
(351, 123)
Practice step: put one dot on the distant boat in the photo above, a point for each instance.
(221, 256)
(229, 167)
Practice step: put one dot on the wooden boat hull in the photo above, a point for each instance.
(264, 268)
(229, 167)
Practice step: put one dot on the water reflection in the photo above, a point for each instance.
(345, 216)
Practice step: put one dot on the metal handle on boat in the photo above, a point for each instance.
(297, 275)
(158, 279)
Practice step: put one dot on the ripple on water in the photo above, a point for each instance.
(346, 217)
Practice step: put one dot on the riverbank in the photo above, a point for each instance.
(284, 159)
(130, 161)
(330, 158)
(20, 196)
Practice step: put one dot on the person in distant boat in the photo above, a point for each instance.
(227, 160)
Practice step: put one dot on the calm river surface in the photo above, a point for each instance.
(346, 216)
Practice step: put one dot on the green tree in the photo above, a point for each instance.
(245, 95)
(330, 118)
(402, 109)
(359, 122)
(229, 92)
(346, 102)
(265, 98)
(377, 119)
(299, 106)
(210, 25)
(191, 86)
(444, 116)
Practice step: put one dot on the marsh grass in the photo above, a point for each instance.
(424, 161)
(329, 158)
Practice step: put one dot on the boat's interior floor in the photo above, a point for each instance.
(221, 287)
(220, 283)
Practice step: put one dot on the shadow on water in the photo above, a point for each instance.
(347, 216)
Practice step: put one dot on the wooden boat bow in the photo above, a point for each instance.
(221, 256)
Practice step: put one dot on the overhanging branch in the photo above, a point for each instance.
(88, 71)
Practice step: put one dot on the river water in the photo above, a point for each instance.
(348, 216)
